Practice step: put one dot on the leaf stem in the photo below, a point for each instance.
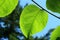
(28, 36)
(45, 10)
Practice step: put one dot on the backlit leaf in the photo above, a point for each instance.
(55, 34)
(33, 20)
(7, 6)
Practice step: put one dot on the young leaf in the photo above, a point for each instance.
(7, 6)
(55, 34)
(33, 20)
(53, 5)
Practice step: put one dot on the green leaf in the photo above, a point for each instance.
(53, 5)
(55, 34)
(7, 6)
(33, 20)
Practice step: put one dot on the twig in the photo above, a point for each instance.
(45, 10)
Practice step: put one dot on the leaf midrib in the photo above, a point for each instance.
(33, 21)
